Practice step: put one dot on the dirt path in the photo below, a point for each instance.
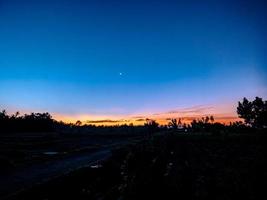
(25, 178)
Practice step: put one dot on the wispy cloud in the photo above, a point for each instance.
(186, 114)
(139, 116)
(200, 109)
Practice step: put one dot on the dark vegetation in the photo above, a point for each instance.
(201, 160)
(254, 114)
(38, 122)
(170, 167)
(43, 122)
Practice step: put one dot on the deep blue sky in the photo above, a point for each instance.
(66, 56)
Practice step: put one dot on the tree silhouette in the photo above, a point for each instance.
(206, 124)
(180, 125)
(78, 123)
(3, 115)
(254, 113)
(206, 120)
(173, 124)
(211, 119)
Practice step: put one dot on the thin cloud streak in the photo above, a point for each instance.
(188, 114)
(195, 109)
(106, 121)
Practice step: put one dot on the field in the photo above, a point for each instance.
(169, 166)
(27, 159)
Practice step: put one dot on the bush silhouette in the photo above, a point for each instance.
(152, 126)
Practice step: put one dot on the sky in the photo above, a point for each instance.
(124, 61)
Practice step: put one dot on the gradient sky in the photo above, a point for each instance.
(129, 59)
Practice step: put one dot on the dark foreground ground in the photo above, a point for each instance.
(170, 167)
(27, 159)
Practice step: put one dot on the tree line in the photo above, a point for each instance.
(253, 113)
(39, 122)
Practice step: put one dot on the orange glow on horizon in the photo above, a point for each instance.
(223, 113)
(162, 120)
